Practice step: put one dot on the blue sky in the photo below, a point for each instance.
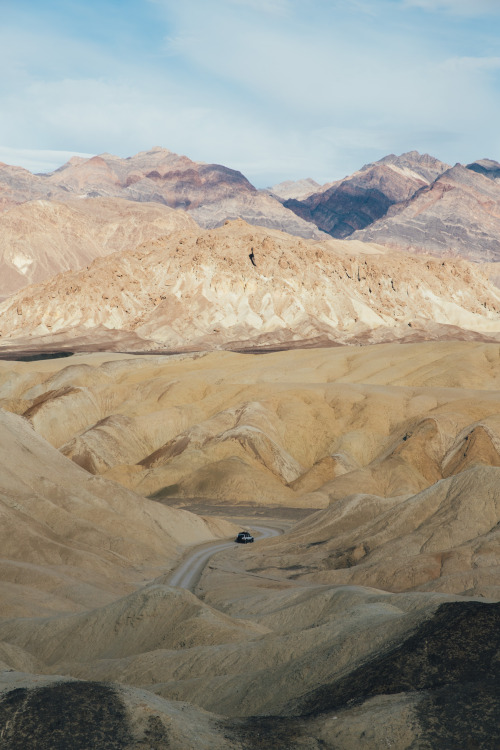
(279, 89)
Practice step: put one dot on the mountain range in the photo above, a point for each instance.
(411, 202)
(138, 253)
(342, 207)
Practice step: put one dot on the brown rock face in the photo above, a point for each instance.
(458, 215)
(18, 185)
(210, 192)
(299, 189)
(367, 195)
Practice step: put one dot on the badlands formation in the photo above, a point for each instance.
(242, 287)
(340, 392)
(372, 622)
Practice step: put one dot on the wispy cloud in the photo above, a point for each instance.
(37, 160)
(273, 7)
(276, 88)
(471, 64)
(461, 7)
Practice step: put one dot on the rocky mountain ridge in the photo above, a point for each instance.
(240, 286)
(412, 202)
(211, 193)
(458, 215)
(359, 200)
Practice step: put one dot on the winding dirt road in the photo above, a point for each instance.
(188, 572)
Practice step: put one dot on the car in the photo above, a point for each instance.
(244, 537)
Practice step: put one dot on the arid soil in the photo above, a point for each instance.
(372, 622)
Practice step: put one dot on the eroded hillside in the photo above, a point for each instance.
(240, 287)
(372, 621)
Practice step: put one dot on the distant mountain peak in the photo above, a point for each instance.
(295, 188)
(487, 167)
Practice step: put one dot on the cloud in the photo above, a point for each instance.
(471, 64)
(460, 7)
(37, 160)
(273, 7)
(271, 87)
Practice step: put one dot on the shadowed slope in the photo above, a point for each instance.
(69, 539)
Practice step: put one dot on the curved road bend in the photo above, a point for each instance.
(188, 573)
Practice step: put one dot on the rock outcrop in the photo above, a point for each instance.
(240, 287)
(298, 189)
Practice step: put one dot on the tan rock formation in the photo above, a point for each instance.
(41, 238)
(72, 540)
(241, 286)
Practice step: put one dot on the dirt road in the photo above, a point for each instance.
(188, 572)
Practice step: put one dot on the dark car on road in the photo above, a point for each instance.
(244, 537)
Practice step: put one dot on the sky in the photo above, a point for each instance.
(278, 89)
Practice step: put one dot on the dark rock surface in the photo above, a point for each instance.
(487, 167)
(359, 200)
(76, 715)
(458, 215)
(458, 646)
(449, 668)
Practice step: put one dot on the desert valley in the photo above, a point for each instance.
(183, 357)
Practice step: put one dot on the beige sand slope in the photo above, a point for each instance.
(240, 286)
(445, 538)
(358, 628)
(42, 238)
(399, 443)
(71, 540)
